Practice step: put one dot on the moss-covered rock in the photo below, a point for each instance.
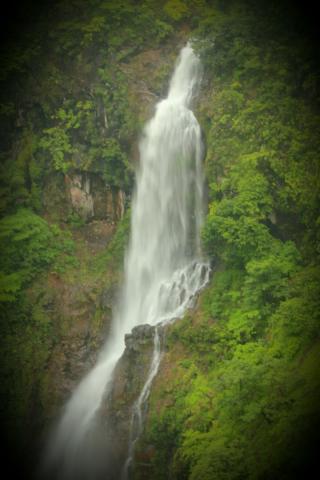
(116, 412)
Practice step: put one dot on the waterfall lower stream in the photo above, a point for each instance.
(163, 267)
(182, 292)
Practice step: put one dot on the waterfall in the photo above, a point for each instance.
(180, 294)
(163, 267)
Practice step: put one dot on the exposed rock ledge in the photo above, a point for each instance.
(84, 194)
(115, 415)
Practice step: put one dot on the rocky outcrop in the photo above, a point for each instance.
(115, 415)
(82, 317)
(137, 339)
(90, 197)
(85, 195)
(78, 190)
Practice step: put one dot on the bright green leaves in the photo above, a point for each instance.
(57, 142)
(256, 339)
(267, 276)
(234, 230)
(199, 403)
(24, 232)
(296, 321)
(176, 9)
(28, 245)
(257, 113)
(91, 135)
(58, 139)
(246, 395)
(10, 285)
(113, 93)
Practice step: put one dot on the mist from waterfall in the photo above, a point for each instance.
(163, 269)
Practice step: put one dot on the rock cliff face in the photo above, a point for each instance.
(91, 198)
(110, 438)
(82, 316)
(77, 301)
(129, 377)
(79, 306)
(83, 194)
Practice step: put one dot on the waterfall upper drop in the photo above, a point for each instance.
(163, 270)
(167, 207)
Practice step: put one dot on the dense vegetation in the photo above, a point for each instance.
(244, 397)
(65, 107)
(241, 399)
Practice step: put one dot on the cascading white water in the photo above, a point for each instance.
(163, 270)
(178, 295)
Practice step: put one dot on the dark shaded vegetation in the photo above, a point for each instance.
(64, 108)
(243, 399)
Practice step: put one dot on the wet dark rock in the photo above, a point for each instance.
(203, 273)
(129, 377)
(182, 296)
(140, 336)
(108, 297)
(81, 327)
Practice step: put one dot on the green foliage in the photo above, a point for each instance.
(113, 163)
(246, 402)
(243, 390)
(65, 98)
(112, 257)
(29, 245)
(57, 142)
(237, 396)
(176, 9)
(26, 336)
(65, 106)
(75, 220)
(91, 135)
(22, 177)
